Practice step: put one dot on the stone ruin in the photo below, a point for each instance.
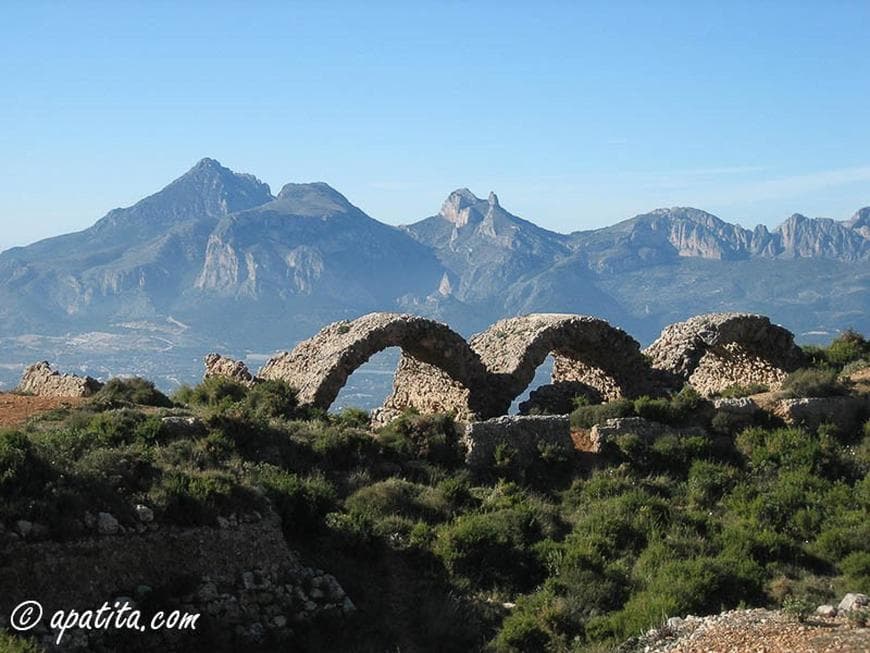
(478, 379)
(712, 352)
(40, 380)
(217, 365)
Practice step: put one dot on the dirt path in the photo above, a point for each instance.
(17, 409)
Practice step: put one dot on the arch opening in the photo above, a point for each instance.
(369, 385)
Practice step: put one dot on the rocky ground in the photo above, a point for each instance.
(16, 409)
(759, 631)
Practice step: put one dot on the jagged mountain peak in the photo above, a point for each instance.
(462, 207)
(208, 190)
(860, 219)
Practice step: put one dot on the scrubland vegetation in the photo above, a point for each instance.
(565, 555)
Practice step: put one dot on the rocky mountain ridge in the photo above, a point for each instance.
(216, 258)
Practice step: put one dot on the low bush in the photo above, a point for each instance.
(11, 644)
(798, 607)
(215, 391)
(432, 437)
(708, 482)
(492, 550)
(396, 496)
(301, 501)
(130, 392)
(848, 347)
(737, 390)
(589, 416)
(856, 570)
(198, 497)
(812, 383)
(273, 398)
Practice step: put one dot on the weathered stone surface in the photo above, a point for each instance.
(846, 413)
(180, 425)
(718, 350)
(525, 434)
(217, 365)
(428, 389)
(585, 349)
(736, 405)
(601, 434)
(826, 611)
(319, 367)
(39, 379)
(853, 601)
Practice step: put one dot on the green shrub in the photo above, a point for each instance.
(701, 585)
(455, 493)
(353, 418)
(492, 550)
(798, 607)
(16, 454)
(657, 410)
(589, 416)
(196, 498)
(134, 391)
(788, 448)
(618, 525)
(812, 383)
(846, 348)
(341, 448)
(520, 633)
(686, 404)
(272, 398)
(432, 437)
(302, 502)
(709, 481)
(858, 617)
(395, 496)
(737, 390)
(119, 427)
(11, 644)
(856, 569)
(215, 391)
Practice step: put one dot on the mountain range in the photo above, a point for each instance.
(216, 261)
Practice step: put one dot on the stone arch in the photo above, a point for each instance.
(319, 367)
(586, 350)
(716, 350)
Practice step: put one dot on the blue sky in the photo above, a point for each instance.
(576, 114)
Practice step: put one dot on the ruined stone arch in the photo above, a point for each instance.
(319, 367)
(717, 350)
(586, 350)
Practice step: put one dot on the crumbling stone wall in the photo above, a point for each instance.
(525, 435)
(717, 350)
(241, 576)
(40, 380)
